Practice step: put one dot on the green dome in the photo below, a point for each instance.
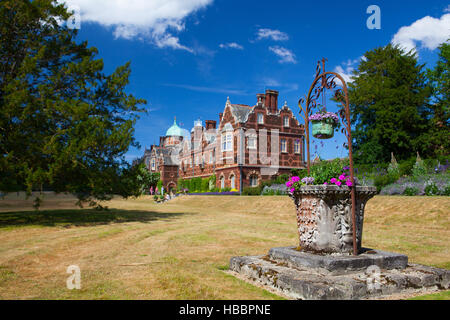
(174, 130)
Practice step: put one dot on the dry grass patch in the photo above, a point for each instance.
(179, 250)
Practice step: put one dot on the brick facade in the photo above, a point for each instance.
(249, 145)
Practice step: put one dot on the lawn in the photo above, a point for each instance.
(179, 250)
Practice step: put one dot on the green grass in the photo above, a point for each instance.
(445, 295)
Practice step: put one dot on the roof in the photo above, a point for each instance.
(174, 130)
(240, 112)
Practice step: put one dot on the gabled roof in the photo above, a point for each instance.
(240, 112)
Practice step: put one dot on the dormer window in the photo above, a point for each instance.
(286, 121)
(260, 118)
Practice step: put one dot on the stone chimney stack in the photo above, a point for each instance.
(260, 98)
(271, 102)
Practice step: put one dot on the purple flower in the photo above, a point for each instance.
(338, 183)
(324, 115)
(348, 183)
(289, 184)
(342, 177)
(333, 180)
(292, 190)
(308, 180)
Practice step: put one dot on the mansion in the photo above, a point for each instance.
(247, 145)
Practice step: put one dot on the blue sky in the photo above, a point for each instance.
(188, 56)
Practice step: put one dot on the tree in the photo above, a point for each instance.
(388, 103)
(146, 179)
(64, 124)
(437, 139)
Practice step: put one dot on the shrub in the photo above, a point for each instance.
(204, 185)
(212, 182)
(431, 188)
(159, 185)
(301, 173)
(268, 192)
(393, 166)
(419, 168)
(252, 191)
(405, 167)
(383, 180)
(411, 191)
(446, 191)
(325, 170)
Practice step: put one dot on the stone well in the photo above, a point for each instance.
(324, 217)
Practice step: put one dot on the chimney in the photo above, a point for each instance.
(260, 98)
(272, 100)
(210, 124)
(161, 141)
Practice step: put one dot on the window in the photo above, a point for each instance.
(222, 183)
(286, 121)
(153, 164)
(253, 181)
(233, 182)
(297, 146)
(227, 141)
(260, 118)
(283, 145)
(251, 142)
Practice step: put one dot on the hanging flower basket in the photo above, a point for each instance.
(324, 124)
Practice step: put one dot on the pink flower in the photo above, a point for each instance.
(295, 179)
(289, 184)
(292, 190)
(338, 183)
(326, 183)
(349, 183)
(333, 180)
(342, 177)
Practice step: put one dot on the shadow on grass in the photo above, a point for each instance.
(84, 217)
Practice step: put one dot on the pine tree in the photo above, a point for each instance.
(388, 103)
(437, 139)
(64, 124)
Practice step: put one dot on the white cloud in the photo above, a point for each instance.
(285, 55)
(429, 32)
(231, 45)
(346, 70)
(154, 20)
(447, 9)
(275, 35)
(271, 82)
